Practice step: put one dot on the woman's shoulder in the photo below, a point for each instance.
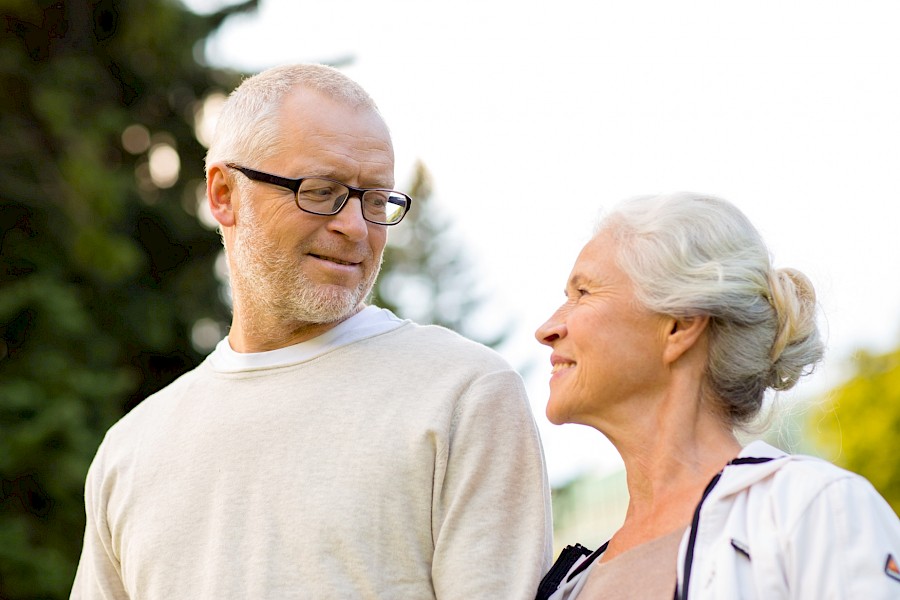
(805, 472)
(790, 470)
(796, 483)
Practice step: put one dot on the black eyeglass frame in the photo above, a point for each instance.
(294, 186)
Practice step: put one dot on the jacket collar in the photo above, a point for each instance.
(737, 477)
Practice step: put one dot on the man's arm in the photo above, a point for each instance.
(491, 517)
(99, 573)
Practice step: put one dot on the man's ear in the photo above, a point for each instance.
(684, 334)
(220, 193)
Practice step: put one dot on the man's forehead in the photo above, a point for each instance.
(312, 100)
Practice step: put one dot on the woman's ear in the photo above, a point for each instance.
(220, 195)
(684, 334)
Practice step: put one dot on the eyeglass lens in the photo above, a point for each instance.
(324, 197)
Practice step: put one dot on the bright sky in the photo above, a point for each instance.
(534, 116)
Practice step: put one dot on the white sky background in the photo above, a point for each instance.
(534, 116)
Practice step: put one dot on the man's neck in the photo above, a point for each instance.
(248, 335)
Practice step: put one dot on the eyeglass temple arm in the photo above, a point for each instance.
(291, 184)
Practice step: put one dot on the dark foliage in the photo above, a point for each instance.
(103, 269)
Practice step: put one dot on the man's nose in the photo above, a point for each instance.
(349, 221)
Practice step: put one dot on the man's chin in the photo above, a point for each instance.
(328, 306)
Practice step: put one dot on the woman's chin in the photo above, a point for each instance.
(555, 415)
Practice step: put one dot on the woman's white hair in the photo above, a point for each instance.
(248, 127)
(691, 255)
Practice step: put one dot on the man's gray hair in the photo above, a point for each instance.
(248, 128)
(693, 255)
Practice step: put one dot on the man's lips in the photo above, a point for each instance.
(335, 260)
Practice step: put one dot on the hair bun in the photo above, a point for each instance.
(797, 346)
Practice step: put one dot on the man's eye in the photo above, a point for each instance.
(318, 194)
(376, 199)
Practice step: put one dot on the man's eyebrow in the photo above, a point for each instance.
(321, 173)
(327, 173)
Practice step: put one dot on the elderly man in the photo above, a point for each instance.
(325, 449)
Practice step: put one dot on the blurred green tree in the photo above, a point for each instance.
(427, 276)
(856, 426)
(108, 289)
(105, 271)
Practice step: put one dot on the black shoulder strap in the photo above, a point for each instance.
(568, 557)
(587, 562)
(692, 539)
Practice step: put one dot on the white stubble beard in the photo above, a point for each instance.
(274, 293)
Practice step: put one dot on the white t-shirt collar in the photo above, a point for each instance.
(368, 322)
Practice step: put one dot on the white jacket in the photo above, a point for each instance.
(778, 526)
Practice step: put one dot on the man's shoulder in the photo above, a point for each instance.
(440, 342)
(160, 402)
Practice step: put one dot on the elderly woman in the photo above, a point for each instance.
(674, 326)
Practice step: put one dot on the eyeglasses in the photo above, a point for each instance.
(323, 196)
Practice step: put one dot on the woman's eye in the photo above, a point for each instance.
(576, 294)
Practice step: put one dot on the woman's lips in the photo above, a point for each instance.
(560, 366)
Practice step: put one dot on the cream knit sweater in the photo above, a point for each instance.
(403, 465)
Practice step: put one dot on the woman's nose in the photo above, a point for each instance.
(551, 331)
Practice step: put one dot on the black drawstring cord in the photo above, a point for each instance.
(692, 539)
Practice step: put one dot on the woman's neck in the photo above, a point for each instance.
(671, 449)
